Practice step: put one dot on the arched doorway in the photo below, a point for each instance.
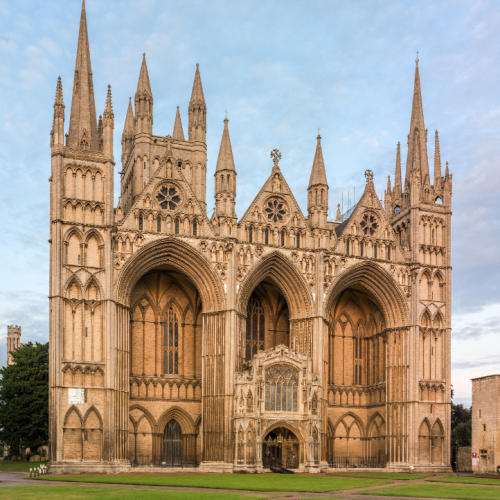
(280, 448)
(172, 444)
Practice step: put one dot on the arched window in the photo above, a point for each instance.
(158, 224)
(358, 356)
(171, 344)
(322, 196)
(281, 388)
(316, 197)
(361, 248)
(432, 240)
(266, 236)
(283, 238)
(141, 222)
(176, 226)
(375, 251)
(195, 228)
(388, 252)
(250, 234)
(347, 249)
(298, 240)
(255, 328)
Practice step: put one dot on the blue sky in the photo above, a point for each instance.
(280, 69)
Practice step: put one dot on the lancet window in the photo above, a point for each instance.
(171, 344)
(281, 388)
(255, 328)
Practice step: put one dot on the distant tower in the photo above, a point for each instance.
(13, 341)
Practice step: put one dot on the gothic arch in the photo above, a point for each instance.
(73, 280)
(70, 232)
(145, 412)
(95, 233)
(181, 416)
(380, 283)
(92, 281)
(138, 303)
(361, 425)
(286, 425)
(180, 255)
(72, 409)
(97, 414)
(293, 286)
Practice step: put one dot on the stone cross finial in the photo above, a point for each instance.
(276, 156)
(369, 175)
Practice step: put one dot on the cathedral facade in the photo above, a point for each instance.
(225, 342)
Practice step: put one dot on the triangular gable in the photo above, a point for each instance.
(369, 204)
(164, 177)
(274, 189)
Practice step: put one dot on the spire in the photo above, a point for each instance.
(100, 132)
(197, 126)
(397, 178)
(108, 111)
(197, 92)
(318, 172)
(437, 163)
(447, 171)
(338, 215)
(144, 101)
(129, 120)
(59, 93)
(143, 84)
(388, 183)
(225, 161)
(83, 122)
(417, 139)
(58, 121)
(178, 132)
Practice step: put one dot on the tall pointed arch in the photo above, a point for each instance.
(279, 268)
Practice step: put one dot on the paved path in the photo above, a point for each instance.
(22, 479)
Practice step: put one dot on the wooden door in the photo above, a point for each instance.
(172, 444)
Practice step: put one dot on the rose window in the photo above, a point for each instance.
(168, 198)
(369, 224)
(275, 210)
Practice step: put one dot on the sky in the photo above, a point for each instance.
(281, 70)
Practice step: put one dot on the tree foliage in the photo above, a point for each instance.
(461, 424)
(24, 398)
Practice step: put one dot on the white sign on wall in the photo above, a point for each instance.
(76, 396)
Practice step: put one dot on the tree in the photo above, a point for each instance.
(461, 424)
(24, 398)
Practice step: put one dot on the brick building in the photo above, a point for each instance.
(486, 423)
(179, 338)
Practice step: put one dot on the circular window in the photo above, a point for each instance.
(169, 197)
(369, 224)
(275, 210)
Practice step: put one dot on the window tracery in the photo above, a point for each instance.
(275, 210)
(168, 197)
(255, 328)
(281, 388)
(171, 344)
(369, 224)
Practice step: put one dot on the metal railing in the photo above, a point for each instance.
(187, 462)
(357, 462)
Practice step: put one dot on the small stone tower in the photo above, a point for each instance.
(13, 341)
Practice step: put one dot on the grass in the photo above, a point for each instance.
(62, 492)
(18, 466)
(467, 480)
(419, 490)
(252, 482)
(395, 476)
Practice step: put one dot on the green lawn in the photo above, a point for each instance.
(253, 482)
(419, 490)
(18, 466)
(395, 476)
(101, 493)
(467, 480)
